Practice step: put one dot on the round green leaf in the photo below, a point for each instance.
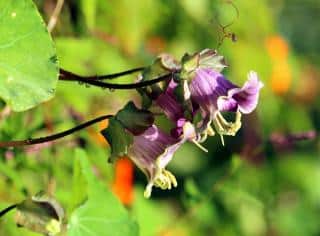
(28, 62)
(102, 213)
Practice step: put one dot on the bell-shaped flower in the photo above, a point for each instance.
(153, 150)
(213, 93)
(131, 132)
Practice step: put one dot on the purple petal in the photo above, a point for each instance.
(178, 130)
(169, 104)
(153, 150)
(227, 104)
(207, 86)
(148, 147)
(247, 96)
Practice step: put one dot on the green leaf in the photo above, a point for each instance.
(118, 138)
(128, 121)
(102, 214)
(40, 213)
(153, 216)
(134, 119)
(28, 62)
(78, 184)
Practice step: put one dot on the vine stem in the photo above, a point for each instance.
(95, 80)
(6, 210)
(18, 143)
(102, 77)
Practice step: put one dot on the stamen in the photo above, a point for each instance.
(148, 190)
(164, 180)
(199, 145)
(172, 178)
(224, 127)
(222, 139)
(204, 137)
(210, 131)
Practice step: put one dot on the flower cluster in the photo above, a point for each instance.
(193, 98)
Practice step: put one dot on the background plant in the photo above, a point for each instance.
(261, 182)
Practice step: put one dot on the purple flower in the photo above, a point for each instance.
(153, 150)
(193, 100)
(213, 93)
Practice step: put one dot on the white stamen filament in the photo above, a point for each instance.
(199, 145)
(222, 139)
(210, 131)
(224, 127)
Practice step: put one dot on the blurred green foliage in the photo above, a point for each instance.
(257, 184)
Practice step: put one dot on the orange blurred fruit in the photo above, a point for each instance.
(123, 180)
(277, 47)
(281, 78)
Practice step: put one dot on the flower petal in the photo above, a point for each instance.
(227, 104)
(207, 86)
(151, 152)
(169, 104)
(247, 96)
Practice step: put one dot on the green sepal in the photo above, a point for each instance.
(146, 101)
(182, 95)
(118, 138)
(179, 93)
(211, 59)
(127, 122)
(189, 64)
(40, 213)
(164, 64)
(154, 71)
(169, 62)
(197, 118)
(207, 58)
(134, 119)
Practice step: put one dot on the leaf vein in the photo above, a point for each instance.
(10, 44)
